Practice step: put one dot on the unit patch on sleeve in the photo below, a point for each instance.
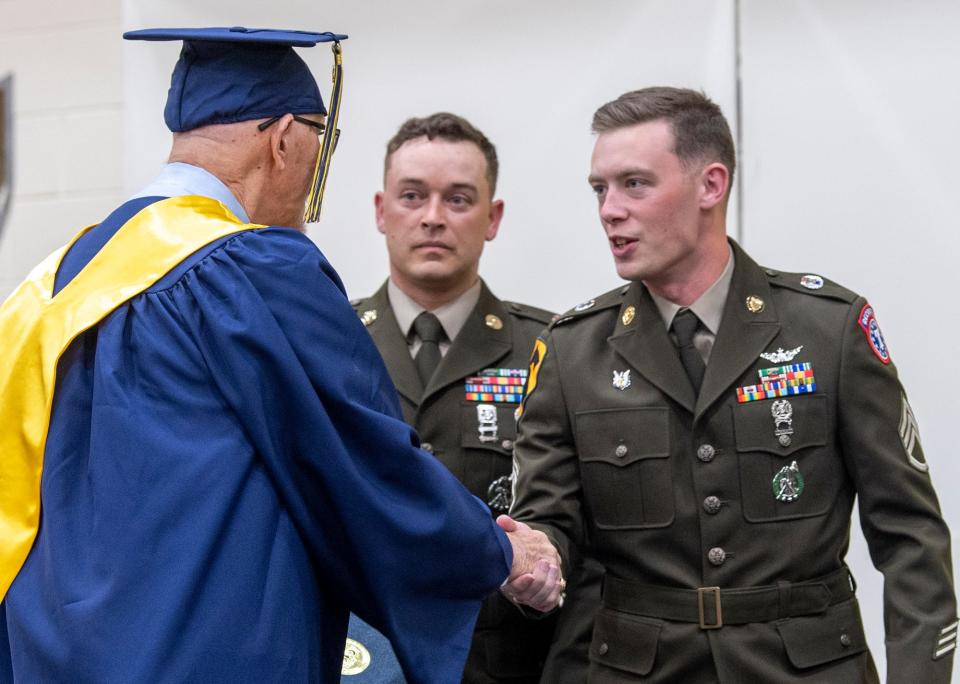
(946, 640)
(868, 323)
(536, 360)
(910, 436)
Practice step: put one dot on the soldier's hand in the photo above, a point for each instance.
(535, 577)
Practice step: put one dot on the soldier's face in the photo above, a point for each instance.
(649, 204)
(436, 212)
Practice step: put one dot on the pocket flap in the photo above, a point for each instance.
(623, 436)
(625, 642)
(818, 639)
(756, 428)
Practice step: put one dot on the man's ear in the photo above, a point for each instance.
(378, 205)
(496, 214)
(714, 182)
(280, 143)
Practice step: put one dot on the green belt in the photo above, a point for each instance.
(714, 607)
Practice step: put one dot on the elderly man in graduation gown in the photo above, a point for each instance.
(211, 437)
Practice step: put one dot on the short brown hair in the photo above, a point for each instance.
(700, 131)
(448, 127)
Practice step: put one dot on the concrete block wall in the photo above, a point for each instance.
(67, 104)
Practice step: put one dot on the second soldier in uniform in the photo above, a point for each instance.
(457, 354)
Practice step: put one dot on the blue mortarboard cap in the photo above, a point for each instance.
(226, 75)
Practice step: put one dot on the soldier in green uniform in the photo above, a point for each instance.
(705, 430)
(457, 354)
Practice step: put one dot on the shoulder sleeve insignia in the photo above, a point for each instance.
(536, 360)
(868, 323)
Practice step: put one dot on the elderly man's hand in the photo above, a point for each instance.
(535, 578)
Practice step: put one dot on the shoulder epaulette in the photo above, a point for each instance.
(811, 284)
(607, 300)
(531, 312)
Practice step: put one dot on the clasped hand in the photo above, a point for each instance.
(535, 577)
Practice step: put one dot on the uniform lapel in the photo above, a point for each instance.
(477, 345)
(743, 335)
(645, 345)
(393, 347)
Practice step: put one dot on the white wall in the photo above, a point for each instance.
(67, 93)
(848, 156)
(850, 115)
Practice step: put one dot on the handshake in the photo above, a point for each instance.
(535, 578)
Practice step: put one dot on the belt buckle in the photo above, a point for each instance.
(703, 591)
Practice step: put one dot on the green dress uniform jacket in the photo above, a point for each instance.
(723, 541)
(507, 647)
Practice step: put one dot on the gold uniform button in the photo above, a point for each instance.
(845, 640)
(621, 450)
(717, 556)
(603, 648)
(493, 322)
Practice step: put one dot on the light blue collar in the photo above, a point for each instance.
(178, 179)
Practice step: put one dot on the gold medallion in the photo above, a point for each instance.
(628, 315)
(368, 317)
(356, 658)
(493, 322)
(754, 304)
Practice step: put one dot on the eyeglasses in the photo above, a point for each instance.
(321, 128)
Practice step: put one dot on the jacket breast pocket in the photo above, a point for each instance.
(625, 466)
(787, 470)
(487, 434)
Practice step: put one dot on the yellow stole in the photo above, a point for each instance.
(36, 328)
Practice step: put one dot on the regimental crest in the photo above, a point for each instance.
(621, 379)
(781, 356)
(368, 317)
(585, 305)
(6, 147)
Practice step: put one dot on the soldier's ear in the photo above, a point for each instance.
(378, 211)
(714, 181)
(496, 215)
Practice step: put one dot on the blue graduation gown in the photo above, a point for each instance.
(227, 475)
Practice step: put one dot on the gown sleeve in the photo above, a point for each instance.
(390, 531)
